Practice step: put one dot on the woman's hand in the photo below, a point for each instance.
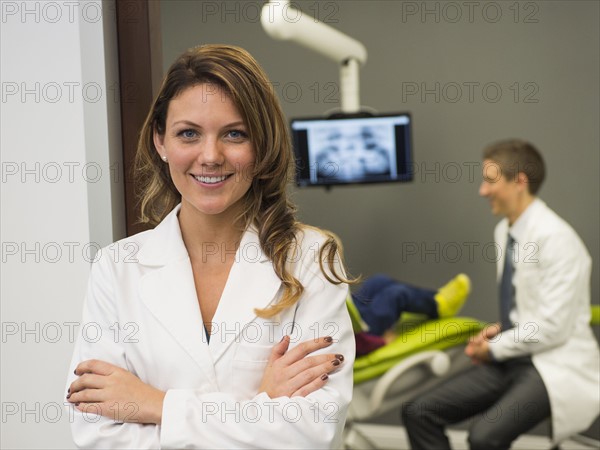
(294, 373)
(105, 389)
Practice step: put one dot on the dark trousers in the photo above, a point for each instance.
(381, 300)
(507, 399)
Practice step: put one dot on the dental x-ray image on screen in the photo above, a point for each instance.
(352, 150)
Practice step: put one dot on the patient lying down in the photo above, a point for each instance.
(381, 300)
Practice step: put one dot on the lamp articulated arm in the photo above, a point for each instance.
(281, 21)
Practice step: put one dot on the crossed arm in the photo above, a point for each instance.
(108, 390)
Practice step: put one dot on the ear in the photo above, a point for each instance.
(522, 180)
(159, 143)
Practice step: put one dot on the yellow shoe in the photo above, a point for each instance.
(451, 296)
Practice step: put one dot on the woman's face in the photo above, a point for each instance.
(210, 156)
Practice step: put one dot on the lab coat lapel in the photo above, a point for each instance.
(252, 283)
(168, 291)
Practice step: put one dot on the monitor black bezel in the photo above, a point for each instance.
(404, 179)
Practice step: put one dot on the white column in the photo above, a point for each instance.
(61, 200)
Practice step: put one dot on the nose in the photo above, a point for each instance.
(210, 153)
(483, 189)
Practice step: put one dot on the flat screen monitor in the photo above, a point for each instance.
(351, 150)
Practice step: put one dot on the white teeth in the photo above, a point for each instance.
(210, 180)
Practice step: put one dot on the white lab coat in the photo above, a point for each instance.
(552, 283)
(141, 313)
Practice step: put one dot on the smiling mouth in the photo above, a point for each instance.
(210, 180)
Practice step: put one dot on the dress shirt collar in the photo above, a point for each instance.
(518, 229)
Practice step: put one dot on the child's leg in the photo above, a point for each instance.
(372, 286)
(381, 300)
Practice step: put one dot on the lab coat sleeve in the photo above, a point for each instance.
(98, 339)
(564, 267)
(196, 419)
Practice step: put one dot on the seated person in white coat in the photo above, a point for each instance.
(225, 326)
(542, 359)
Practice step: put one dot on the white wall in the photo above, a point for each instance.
(60, 135)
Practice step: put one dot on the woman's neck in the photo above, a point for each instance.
(207, 237)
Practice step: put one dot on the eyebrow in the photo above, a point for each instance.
(229, 125)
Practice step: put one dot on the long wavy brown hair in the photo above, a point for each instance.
(266, 205)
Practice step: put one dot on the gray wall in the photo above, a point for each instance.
(545, 60)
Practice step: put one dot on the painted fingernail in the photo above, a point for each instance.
(335, 362)
(75, 371)
(324, 377)
(340, 357)
(328, 339)
(68, 390)
(68, 395)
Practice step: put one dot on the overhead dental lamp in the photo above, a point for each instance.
(315, 35)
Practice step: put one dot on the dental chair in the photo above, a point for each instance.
(423, 353)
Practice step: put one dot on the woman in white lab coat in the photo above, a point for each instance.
(225, 326)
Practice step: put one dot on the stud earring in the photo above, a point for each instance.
(164, 158)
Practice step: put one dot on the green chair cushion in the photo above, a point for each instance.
(414, 337)
(595, 315)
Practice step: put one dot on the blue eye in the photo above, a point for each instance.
(237, 134)
(187, 134)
